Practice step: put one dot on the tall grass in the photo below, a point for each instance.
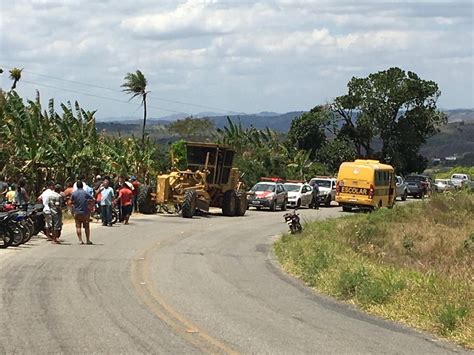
(411, 264)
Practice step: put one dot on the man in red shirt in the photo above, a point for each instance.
(136, 188)
(125, 197)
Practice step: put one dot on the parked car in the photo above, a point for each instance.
(327, 189)
(442, 185)
(269, 194)
(402, 188)
(418, 185)
(299, 194)
(459, 180)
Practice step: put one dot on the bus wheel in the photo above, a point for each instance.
(346, 208)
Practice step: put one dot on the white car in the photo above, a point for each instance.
(459, 180)
(299, 194)
(442, 185)
(327, 189)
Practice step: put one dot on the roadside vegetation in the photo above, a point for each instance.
(387, 115)
(411, 264)
(41, 144)
(447, 172)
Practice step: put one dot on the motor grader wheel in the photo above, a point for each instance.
(242, 205)
(146, 204)
(229, 203)
(188, 207)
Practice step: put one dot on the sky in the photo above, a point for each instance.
(231, 56)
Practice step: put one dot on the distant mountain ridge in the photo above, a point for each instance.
(273, 120)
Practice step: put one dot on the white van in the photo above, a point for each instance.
(459, 180)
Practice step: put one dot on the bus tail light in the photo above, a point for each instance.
(338, 187)
(371, 192)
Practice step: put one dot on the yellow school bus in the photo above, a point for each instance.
(365, 184)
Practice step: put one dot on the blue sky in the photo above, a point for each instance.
(242, 56)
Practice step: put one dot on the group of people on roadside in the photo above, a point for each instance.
(80, 199)
(13, 193)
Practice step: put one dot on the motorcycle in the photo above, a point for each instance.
(293, 221)
(6, 234)
(97, 216)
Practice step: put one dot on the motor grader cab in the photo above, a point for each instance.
(209, 180)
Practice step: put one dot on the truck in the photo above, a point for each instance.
(209, 180)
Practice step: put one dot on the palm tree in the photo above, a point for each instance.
(15, 75)
(135, 85)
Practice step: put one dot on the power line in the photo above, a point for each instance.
(93, 95)
(119, 91)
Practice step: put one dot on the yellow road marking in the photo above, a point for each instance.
(159, 307)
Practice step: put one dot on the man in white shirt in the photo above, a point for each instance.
(86, 187)
(44, 199)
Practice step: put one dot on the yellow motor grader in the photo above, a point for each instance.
(209, 180)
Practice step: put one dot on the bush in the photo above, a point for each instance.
(449, 317)
(366, 287)
(350, 281)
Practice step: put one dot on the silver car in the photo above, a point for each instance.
(402, 188)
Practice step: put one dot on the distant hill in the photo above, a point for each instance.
(456, 138)
(276, 121)
(460, 115)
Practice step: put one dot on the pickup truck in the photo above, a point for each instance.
(418, 185)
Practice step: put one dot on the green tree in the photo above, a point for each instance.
(392, 106)
(178, 155)
(334, 152)
(307, 132)
(135, 85)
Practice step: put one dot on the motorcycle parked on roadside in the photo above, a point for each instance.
(293, 221)
(18, 226)
(97, 216)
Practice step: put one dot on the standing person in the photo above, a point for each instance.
(55, 202)
(21, 196)
(86, 187)
(81, 201)
(10, 195)
(125, 197)
(315, 196)
(106, 200)
(67, 196)
(3, 188)
(44, 199)
(97, 182)
(136, 187)
(118, 187)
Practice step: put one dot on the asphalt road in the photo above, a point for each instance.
(169, 285)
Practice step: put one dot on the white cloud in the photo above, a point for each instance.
(244, 56)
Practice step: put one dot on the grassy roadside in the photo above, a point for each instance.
(412, 264)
